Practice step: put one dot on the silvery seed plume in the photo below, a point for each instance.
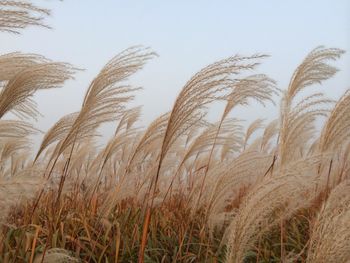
(108, 95)
(17, 15)
(296, 123)
(17, 92)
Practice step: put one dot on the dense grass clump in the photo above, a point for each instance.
(76, 227)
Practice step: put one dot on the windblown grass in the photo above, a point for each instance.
(183, 189)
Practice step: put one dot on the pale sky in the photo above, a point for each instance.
(187, 35)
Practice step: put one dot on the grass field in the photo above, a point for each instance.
(183, 189)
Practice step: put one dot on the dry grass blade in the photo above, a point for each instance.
(17, 15)
(107, 96)
(225, 180)
(258, 87)
(210, 84)
(253, 127)
(117, 143)
(297, 124)
(337, 128)
(146, 145)
(270, 131)
(263, 208)
(15, 129)
(128, 119)
(12, 63)
(230, 137)
(314, 69)
(57, 132)
(10, 147)
(17, 92)
(154, 132)
(330, 239)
